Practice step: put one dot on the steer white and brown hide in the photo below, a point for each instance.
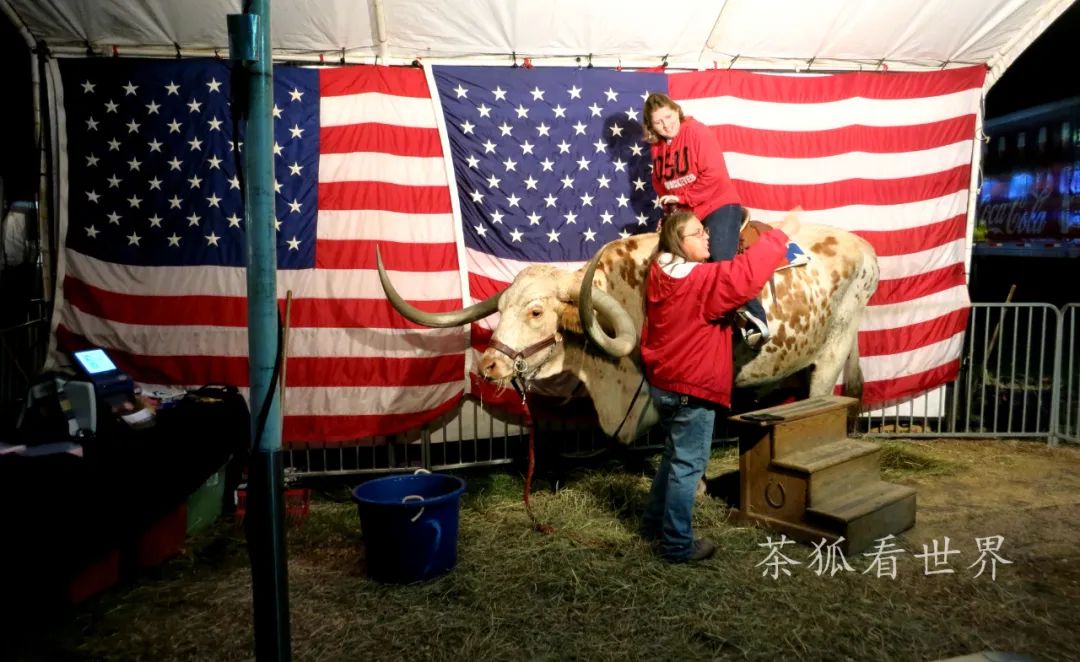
(813, 310)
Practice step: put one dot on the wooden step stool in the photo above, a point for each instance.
(801, 475)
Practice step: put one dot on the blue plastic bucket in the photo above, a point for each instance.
(410, 525)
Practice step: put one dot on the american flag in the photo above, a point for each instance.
(153, 266)
(549, 165)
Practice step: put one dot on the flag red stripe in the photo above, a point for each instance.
(916, 239)
(482, 287)
(370, 313)
(901, 387)
(384, 196)
(809, 89)
(375, 371)
(297, 430)
(159, 309)
(829, 195)
(397, 256)
(898, 290)
(830, 142)
(396, 81)
(384, 138)
(912, 336)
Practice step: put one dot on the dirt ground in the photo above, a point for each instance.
(1023, 490)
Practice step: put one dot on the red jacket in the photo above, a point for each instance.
(683, 347)
(692, 167)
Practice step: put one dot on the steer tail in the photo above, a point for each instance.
(853, 385)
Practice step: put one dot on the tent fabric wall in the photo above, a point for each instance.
(781, 35)
(776, 34)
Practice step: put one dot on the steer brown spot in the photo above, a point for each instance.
(826, 246)
(631, 274)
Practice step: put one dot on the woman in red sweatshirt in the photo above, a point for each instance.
(686, 351)
(689, 171)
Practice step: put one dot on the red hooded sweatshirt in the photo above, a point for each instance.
(692, 167)
(683, 347)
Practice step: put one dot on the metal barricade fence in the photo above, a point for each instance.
(1068, 379)
(467, 437)
(1006, 387)
(1019, 377)
(22, 354)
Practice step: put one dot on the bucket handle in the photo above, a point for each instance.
(415, 497)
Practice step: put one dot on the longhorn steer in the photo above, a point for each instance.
(549, 336)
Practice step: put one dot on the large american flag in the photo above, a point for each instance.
(154, 258)
(549, 165)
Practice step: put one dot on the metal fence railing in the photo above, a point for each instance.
(23, 346)
(1006, 385)
(469, 437)
(1068, 378)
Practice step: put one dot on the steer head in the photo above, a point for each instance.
(535, 311)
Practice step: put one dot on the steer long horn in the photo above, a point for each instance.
(626, 333)
(438, 320)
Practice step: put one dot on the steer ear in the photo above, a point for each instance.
(570, 318)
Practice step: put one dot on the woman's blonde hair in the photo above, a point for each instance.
(653, 103)
(671, 240)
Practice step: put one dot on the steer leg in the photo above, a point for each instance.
(840, 356)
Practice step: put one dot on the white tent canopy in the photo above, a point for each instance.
(753, 34)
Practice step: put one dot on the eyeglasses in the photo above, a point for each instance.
(701, 234)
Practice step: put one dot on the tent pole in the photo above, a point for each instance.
(266, 535)
(45, 238)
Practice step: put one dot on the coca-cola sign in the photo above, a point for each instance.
(1035, 204)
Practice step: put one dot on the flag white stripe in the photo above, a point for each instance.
(378, 167)
(373, 225)
(375, 107)
(878, 217)
(233, 341)
(922, 309)
(851, 165)
(232, 282)
(902, 364)
(505, 270)
(861, 111)
(913, 264)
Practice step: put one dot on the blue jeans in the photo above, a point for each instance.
(688, 426)
(723, 226)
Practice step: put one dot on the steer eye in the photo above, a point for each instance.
(535, 313)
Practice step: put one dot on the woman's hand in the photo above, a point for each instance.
(669, 200)
(791, 224)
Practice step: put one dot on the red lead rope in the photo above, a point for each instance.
(546, 529)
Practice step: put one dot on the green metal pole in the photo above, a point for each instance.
(266, 536)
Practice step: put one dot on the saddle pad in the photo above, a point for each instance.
(796, 256)
(751, 231)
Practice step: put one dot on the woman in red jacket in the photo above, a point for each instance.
(688, 362)
(689, 171)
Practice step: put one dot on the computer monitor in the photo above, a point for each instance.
(94, 361)
(108, 380)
